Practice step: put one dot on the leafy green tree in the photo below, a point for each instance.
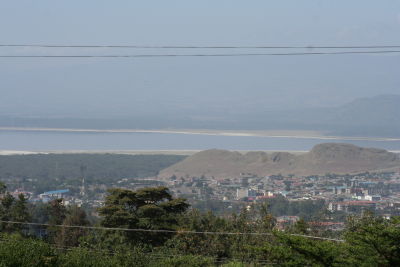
(12, 210)
(300, 227)
(6, 205)
(57, 213)
(265, 220)
(374, 240)
(148, 208)
(203, 244)
(18, 251)
(186, 260)
(3, 188)
(75, 216)
(289, 250)
(20, 211)
(82, 257)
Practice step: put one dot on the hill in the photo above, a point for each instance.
(322, 159)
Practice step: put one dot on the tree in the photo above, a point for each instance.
(300, 227)
(3, 188)
(57, 213)
(12, 210)
(18, 251)
(288, 185)
(148, 208)
(6, 202)
(289, 250)
(20, 211)
(374, 239)
(75, 216)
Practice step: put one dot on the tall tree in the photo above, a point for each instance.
(6, 203)
(148, 208)
(57, 213)
(20, 212)
(70, 236)
(374, 239)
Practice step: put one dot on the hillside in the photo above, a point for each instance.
(322, 159)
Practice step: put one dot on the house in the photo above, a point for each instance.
(46, 196)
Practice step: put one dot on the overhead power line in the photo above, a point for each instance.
(204, 55)
(162, 230)
(204, 47)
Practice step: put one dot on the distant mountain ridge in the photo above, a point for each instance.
(376, 116)
(379, 115)
(322, 159)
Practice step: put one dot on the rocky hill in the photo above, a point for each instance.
(322, 159)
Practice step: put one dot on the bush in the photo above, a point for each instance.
(16, 251)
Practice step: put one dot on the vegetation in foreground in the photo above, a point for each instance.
(160, 230)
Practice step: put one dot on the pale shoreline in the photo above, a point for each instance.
(128, 152)
(296, 134)
(140, 152)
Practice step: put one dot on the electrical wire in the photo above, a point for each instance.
(164, 231)
(201, 47)
(204, 55)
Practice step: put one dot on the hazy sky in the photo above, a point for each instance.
(129, 86)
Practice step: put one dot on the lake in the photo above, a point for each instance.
(114, 141)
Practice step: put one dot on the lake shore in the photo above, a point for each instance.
(125, 152)
(295, 134)
(140, 152)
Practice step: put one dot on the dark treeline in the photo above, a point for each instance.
(41, 172)
(165, 231)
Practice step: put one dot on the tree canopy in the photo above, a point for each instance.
(148, 208)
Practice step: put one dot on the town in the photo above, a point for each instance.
(337, 195)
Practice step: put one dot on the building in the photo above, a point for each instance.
(351, 205)
(46, 196)
(284, 221)
(242, 193)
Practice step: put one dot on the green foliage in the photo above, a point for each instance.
(374, 240)
(202, 244)
(289, 250)
(75, 216)
(6, 203)
(80, 257)
(186, 260)
(20, 210)
(3, 188)
(234, 264)
(148, 208)
(244, 239)
(17, 251)
(306, 209)
(369, 241)
(56, 213)
(238, 241)
(13, 210)
(300, 227)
